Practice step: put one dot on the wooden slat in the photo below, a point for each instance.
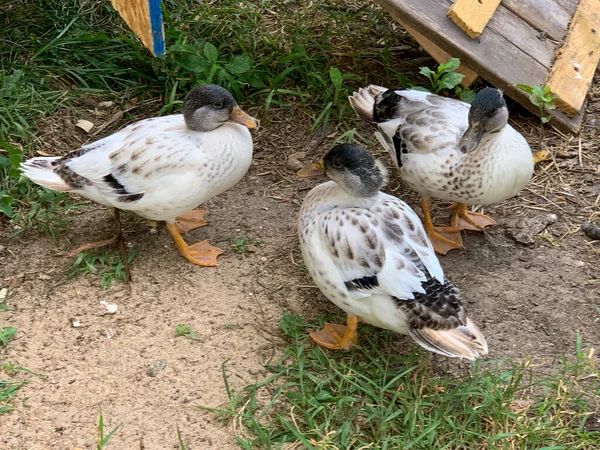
(552, 18)
(145, 20)
(441, 56)
(523, 36)
(576, 61)
(493, 56)
(472, 16)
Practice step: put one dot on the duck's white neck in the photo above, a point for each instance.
(330, 195)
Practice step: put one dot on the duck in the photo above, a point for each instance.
(161, 168)
(450, 150)
(368, 253)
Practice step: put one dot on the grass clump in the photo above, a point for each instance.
(374, 398)
(240, 244)
(106, 264)
(186, 330)
(102, 438)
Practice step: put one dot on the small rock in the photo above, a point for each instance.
(85, 125)
(293, 161)
(75, 323)
(3, 294)
(525, 229)
(105, 104)
(157, 367)
(111, 308)
(590, 230)
(251, 248)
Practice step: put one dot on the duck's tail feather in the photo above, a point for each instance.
(363, 101)
(41, 171)
(463, 342)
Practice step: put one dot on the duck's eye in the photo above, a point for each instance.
(218, 104)
(336, 164)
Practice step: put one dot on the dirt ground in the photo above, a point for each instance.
(530, 300)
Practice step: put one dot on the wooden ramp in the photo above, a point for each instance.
(553, 42)
(144, 17)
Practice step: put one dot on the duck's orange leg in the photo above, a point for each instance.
(201, 253)
(337, 337)
(468, 220)
(443, 239)
(191, 220)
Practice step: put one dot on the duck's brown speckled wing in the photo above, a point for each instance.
(420, 122)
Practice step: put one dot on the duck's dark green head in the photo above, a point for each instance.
(353, 168)
(209, 106)
(488, 114)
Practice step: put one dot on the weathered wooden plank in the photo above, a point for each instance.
(547, 16)
(144, 17)
(472, 16)
(441, 56)
(523, 36)
(492, 56)
(576, 61)
(569, 5)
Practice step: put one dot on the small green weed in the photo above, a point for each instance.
(541, 96)
(8, 390)
(240, 244)
(12, 369)
(106, 264)
(444, 78)
(180, 439)
(186, 330)
(6, 334)
(372, 397)
(102, 439)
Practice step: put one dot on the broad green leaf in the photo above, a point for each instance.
(336, 77)
(538, 91)
(6, 205)
(240, 64)
(211, 53)
(426, 71)
(525, 88)
(536, 101)
(193, 63)
(450, 66)
(420, 88)
(6, 334)
(545, 119)
(451, 80)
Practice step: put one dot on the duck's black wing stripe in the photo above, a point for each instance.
(368, 282)
(399, 147)
(120, 189)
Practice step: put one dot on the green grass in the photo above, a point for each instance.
(240, 244)
(186, 330)
(102, 438)
(8, 391)
(374, 398)
(104, 263)
(6, 334)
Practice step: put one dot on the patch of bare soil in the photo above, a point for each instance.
(530, 300)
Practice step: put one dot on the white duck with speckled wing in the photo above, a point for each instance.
(368, 253)
(162, 168)
(450, 150)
